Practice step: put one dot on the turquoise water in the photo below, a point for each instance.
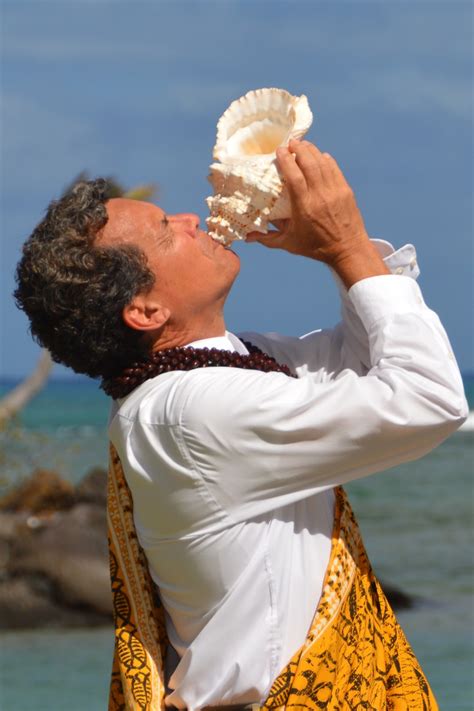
(417, 525)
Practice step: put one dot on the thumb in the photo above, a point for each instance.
(269, 239)
(273, 238)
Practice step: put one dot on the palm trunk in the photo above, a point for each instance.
(16, 400)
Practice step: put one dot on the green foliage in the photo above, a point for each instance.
(145, 192)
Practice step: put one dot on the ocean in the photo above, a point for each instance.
(417, 525)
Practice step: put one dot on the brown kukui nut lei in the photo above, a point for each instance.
(188, 358)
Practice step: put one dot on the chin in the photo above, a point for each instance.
(234, 259)
(232, 269)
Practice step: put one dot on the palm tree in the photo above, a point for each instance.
(16, 399)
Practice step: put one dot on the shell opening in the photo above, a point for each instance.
(256, 140)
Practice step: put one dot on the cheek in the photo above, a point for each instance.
(195, 264)
(184, 273)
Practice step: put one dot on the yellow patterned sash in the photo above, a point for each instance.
(137, 682)
(355, 655)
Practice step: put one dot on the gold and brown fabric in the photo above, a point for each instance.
(355, 655)
(137, 682)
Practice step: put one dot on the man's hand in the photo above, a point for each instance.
(326, 223)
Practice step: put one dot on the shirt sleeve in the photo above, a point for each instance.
(263, 440)
(327, 352)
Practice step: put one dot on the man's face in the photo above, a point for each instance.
(193, 273)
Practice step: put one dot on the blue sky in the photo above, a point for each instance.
(135, 89)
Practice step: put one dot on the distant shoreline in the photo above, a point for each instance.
(12, 380)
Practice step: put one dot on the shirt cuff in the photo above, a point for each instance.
(380, 297)
(402, 262)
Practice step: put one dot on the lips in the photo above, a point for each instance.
(215, 243)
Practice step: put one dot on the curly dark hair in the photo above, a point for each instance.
(74, 291)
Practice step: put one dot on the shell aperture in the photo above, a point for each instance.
(248, 190)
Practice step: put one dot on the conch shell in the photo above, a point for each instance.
(248, 190)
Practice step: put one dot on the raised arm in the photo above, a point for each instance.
(327, 226)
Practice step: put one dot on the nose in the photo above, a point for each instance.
(187, 220)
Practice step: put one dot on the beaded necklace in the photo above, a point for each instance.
(188, 358)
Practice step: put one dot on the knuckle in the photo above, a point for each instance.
(294, 180)
(299, 183)
(302, 146)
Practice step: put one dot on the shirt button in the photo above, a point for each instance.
(399, 270)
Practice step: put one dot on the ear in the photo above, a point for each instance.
(145, 315)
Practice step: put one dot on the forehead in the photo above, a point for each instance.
(128, 220)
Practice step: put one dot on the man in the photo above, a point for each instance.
(232, 470)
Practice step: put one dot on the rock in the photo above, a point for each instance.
(71, 551)
(43, 491)
(398, 599)
(53, 552)
(11, 525)
(93, 487)
(29, 602)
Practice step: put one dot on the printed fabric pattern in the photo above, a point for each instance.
(137, 682)
(355, 655)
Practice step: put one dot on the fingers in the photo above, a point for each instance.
(309, 159)
(271, 239)
(334, 171)
(296, 145)
(292, 174)
(317, 167)
(312, 164)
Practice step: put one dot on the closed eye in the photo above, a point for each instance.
(166, 233)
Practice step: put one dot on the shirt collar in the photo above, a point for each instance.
(229, 342)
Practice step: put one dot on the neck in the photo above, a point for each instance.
(175, 336)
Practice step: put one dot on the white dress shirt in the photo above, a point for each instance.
(232, 473)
